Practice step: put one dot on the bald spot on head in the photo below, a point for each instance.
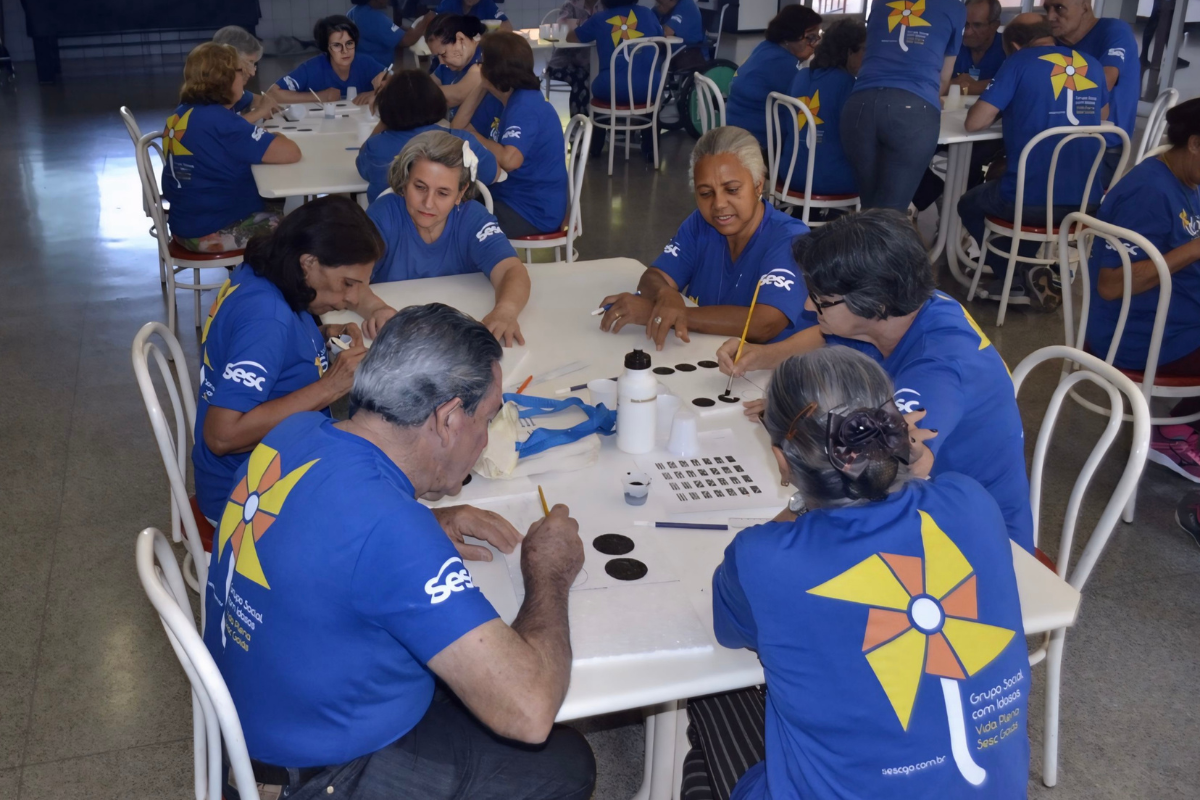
(1027, 30)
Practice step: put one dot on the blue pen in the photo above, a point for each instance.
(602, 309)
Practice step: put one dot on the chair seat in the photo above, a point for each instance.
(1137, 375)
(1007, 223)
(540, 237)
(606, 105)
(824, 198)
(202, 525)
(180, 252)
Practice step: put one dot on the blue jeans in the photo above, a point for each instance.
(450, 754)
(890, 136)
(986, 200)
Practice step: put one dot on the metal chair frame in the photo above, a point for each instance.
(577, 141)
(643, 117)
(780, 193)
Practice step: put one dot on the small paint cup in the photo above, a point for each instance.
(603, 391)
(665, 406)
(636, 486)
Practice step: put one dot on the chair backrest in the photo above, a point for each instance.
(783, 114)
(577, 138)
(716, 43)
(1089, 230)
(709, 102)
(659, 50)
(174, 446)
(151, 192)
(213, 714)
(135, 133)
(1114, 384)
(1156, 123)
(1069, 133)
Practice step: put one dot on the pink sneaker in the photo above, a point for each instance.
(1176, 447)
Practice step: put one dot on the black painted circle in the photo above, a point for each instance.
(626, 569)
(289, 127)
(708, 364)
(725, 398)
(663, 371)
(467, 479)
(306, 129)
(704, 402)
(686, 367)
(613, 544)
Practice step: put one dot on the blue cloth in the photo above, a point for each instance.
(377, 153)
(323, 624)
(687, 24)
(625, 22)
(946, 365)
(824, 91)
(986, 69)
(253, 349)
(864, 619)
(910, 57)
(246, 100)
(377, 34)
(207, 178)
(317, 75)
(484, 9)
(770, 68)
(486, 118)
(537, 190)
(471, 242)
(1025, 92)
(1112, 43)
(1151, 201)
(697, 259)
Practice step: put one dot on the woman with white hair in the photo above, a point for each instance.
(733, 242)
(431, 228)
(253, 108)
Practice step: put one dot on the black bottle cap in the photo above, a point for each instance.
(638, 359)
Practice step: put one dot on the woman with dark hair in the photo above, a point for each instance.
(881, 608)
(215, 205)
(824, 87)
(790, 39)
(409, 104)
(1158, 199)
(620, 21)
(530, 147)
(340, 67)
(486, 10)
(454, 40)
(871, 287)
(378, 36)
(891, 122)
(262, 354)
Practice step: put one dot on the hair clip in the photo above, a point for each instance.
(470, 160)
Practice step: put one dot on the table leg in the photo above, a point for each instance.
(659, 773)
(957, 174)
(939, 244)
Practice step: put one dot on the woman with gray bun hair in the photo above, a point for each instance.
(253, 108)
(883, 608)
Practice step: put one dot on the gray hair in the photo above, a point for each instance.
(736, 141)
(239, 39)
(804, 391)
(440, 147)
(423, 357)
(993, 8)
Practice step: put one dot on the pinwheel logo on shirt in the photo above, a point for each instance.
(923, 620)
(1071, 74)
(1192, 226)
(223, 293)
(173, 135)
(814, 105)
(624, 28)
(906, 15)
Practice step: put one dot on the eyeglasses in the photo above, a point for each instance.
(341, 47)
(813, 38)
(821, 305)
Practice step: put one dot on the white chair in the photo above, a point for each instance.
(715, 41)
(1044, 231)
(1115, 385)
(1156, 123)
(135, 133)
(578, 143)
(710, 104)
(173, 447)
(214, 717)
(784, 110)
(626, 119)
(174, 256)
(548, 84)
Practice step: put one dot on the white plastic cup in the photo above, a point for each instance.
(954, 99)
(603, 391)
(546, 31)
(685, 440)
(636, 486)
(351, 92)
(666, 405)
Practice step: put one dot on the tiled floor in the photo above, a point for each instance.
(92, 703)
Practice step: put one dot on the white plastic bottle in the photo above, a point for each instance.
(637, 390)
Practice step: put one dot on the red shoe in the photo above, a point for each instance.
(1176, 447)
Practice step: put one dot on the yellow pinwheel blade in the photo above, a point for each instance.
(1055, 58)
(869, 582)
(984, 341)
(272, 500)
(945, 565)
(260, 460)
(1082, 83)
(916, 22)
(226, 290)
(898, 666)
(248, 564)
(918, 7)
(974, 643)
(229, 522)
(1058, 81)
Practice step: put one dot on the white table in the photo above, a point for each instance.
(326, 166)
(558, 330)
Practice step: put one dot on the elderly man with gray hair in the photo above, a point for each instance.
(254, 108)
(982, 51)
(363, 661)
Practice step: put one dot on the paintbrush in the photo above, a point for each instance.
(742, 343)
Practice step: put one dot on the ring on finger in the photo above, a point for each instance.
(658, 320)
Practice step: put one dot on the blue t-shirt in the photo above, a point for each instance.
(770, 68)
(377, 153)
(246, 100)
(471, 242)
(685, 21)
(824, 91)
(330, 590)
(1035, 93)
(888, 632)
(907, 46)
(608, 28)
(697, 259)
(1111, 42)
(537, 190)
(253, 349)
(317, 75)
(486, 118)
(946, 365)
(484, 9)
(377, 34)
(207, 178)
(1151, 201)
(986, 69)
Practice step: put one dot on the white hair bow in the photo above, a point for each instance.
(470, 160)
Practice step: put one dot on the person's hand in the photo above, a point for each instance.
(920, 457)
(330, 95)
(340, 376)
(372, 324)
(379, 80)
(362, 98)
(262, 109)
(332, 331)
(552, 551)
(624, 309)
(460, 521)
(754, 357)
(754, 409)
(669, 312)
(502, 322)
